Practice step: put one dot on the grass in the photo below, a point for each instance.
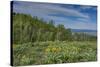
(54, 52)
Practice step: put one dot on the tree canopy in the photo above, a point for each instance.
(30, 29)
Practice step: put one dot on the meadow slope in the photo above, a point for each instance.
(51, 52)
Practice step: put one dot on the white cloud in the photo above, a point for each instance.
(43, 11)
(51, 8)
(59, 9)
(83, 19)
(81, 25)
(85, 7)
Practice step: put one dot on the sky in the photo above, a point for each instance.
(70, 15)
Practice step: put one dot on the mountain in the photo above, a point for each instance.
(82, 30)
(90, 32)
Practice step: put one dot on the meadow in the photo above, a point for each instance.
(50, 52)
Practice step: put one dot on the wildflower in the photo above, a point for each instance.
(54, 49)
(47, 50)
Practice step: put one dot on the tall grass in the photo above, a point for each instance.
(54, 52)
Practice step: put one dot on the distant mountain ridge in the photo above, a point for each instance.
(82, 30)
(90, 32)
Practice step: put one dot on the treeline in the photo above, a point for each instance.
(30, 29)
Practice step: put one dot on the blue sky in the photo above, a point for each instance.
(71, 16)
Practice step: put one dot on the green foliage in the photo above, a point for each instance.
(49, 52)
(71, 52)
(31, 29)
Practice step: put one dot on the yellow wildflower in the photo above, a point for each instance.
(47, 50)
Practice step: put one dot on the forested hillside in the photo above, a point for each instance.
(32, 29)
